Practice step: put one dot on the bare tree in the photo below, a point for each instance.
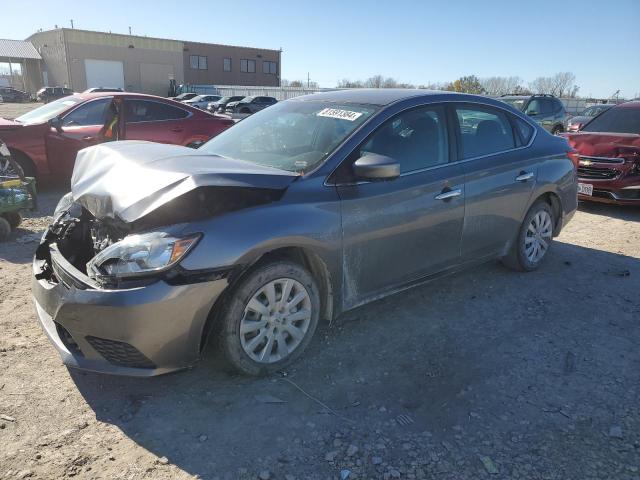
(377, 81)
(501, 85)
(562, 84)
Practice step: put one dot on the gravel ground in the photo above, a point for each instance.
(13, 110)
(485, 374)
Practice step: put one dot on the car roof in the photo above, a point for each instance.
(632, 104)
(91, 95)
(371, 96)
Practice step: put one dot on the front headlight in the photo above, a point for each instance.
(140, 255)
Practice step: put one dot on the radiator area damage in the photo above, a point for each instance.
(130, 187)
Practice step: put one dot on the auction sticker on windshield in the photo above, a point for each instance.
(339, 113)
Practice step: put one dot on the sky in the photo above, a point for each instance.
(417, 42)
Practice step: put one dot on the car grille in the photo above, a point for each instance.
(603, 159)
(597, 173)
(120, 353)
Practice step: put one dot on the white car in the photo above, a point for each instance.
(201, 101)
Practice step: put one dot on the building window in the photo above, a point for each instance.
(270, 68)
(248, 66)
(198, 62)
(227, 65)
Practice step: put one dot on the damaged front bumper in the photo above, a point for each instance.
(145, 330)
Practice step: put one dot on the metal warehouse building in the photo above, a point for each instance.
(81, 59)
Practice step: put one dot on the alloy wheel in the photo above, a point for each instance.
(538, 236)
(275, 321)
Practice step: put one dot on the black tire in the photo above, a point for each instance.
(24, 163)
(14, 219)
(233, 312)
(517, 258)
(557, 130)
(5, 229)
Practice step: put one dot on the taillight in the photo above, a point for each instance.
(574, 157)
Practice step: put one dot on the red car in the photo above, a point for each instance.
(609, 156)
(45, 141)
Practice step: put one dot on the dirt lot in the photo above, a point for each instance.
(13, 110)
(483, 374)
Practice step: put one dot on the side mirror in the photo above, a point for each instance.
(56, 123)
(376, 167)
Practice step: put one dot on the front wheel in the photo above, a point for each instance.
(534, 239)
(270, 318)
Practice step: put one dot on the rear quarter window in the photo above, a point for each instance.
(524, 129)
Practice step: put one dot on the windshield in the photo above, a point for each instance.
(517, 103)
(246, 100)
(616, 120)
(50, 110)
(294, 136)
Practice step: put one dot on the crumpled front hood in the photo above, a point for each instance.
(129, 179)
(604, 144)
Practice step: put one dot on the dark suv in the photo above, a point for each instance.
(47, 94)
(10, 94)
(547, 110)
(250, 104)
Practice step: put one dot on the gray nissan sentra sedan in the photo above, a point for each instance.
(300, 212)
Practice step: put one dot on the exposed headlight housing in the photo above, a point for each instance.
(140, 255)
(63, 205)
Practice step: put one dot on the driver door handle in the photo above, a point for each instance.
(449, 194)
(524, 176)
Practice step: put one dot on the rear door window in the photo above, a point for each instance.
(151, 111)
(484, 131)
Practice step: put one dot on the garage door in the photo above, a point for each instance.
(154, 78)
(104, 73)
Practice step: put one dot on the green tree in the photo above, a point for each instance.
(468, 84)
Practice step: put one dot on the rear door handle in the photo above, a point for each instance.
(446, 195)
(524, 176)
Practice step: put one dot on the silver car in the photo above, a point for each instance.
(306, 209)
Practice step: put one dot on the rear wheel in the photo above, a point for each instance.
(270, 318)
(557, 130)
(534, 239)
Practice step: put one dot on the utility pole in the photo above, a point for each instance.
(308, 80)
(72, 23)
(129, 30)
